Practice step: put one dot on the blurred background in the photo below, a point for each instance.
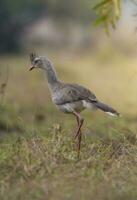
(81, 52)
(38, 157)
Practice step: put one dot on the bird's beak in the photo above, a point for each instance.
(31, 68)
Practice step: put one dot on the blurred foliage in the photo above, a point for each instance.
(15, 15)
(108, 12)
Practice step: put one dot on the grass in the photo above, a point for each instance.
(38, 164)
(38, 157)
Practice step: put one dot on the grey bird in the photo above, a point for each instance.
(69, 98)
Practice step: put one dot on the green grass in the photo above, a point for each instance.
(38, 158)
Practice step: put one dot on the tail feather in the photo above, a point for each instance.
(106, 108)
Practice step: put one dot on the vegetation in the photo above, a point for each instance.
(39, 167)
(16, 15)
(38, 158)
(108, 12)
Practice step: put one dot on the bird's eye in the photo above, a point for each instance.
(36, 61)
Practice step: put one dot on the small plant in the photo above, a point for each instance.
(108, 13)
(3, 86)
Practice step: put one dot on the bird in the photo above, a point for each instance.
(69, 98)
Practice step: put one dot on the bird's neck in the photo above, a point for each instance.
(51, 74)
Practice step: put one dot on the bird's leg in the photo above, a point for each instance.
(78, 122)
(78, 133)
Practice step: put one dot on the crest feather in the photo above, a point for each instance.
(32, 56)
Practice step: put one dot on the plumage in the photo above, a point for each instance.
(68, 93)
(69, 98)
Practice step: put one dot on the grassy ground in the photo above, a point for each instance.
(38, 157)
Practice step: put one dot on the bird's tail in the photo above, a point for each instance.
(106, 109)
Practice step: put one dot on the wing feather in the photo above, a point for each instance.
(72, 92)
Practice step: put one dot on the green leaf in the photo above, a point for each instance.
(100, 4)
(116, 7)
(108, 13)
(100, 20)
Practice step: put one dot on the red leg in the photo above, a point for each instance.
(78, 133)
(80, 136)
(78, 122)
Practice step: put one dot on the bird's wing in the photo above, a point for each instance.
(73, 92)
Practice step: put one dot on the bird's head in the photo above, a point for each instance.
(38, 62)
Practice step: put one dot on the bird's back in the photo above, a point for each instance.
(64, 93)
